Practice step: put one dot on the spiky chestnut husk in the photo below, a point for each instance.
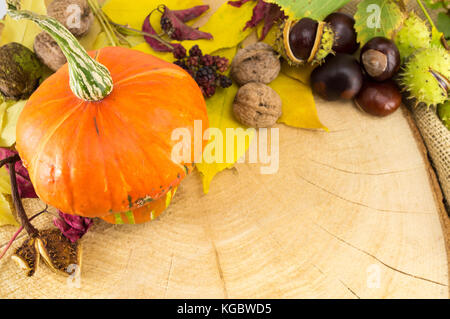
(426, 76)
(413, 35)
(322, 45)
(444, 113)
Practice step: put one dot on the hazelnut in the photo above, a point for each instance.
(257, 105)
(48, 51)
(380, 59)
(256, 63)
(75, 15)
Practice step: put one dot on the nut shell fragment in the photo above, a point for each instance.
(57, 251)
(27, 256)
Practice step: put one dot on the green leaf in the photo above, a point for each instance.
(317, 9)
(443, 24)
(23, 31)
(377, 18)
(437, 4)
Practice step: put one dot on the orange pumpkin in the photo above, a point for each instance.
(99, 151)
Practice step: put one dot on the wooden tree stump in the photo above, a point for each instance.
(353, 213)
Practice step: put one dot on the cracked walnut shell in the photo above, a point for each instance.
(257, 105)
(255, 63)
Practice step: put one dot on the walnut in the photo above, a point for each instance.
(75, 15)
(48, 51)
(256, 63)
(257, 105)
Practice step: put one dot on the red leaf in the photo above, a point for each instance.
(73, 227)
(26, 189)
(155, 44)
(177, 30)
(239, 3)
(191, 13)
(268, 12)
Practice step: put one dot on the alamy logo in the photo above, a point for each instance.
(229, 148)
(73, 16)
(374, 19)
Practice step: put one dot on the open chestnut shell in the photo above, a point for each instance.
(305, 41)
(379, 98)
(340, 77)
(380, 59)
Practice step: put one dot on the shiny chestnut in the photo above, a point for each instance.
(379, 98)
(380, 59)
(343, 26)
(340, 77)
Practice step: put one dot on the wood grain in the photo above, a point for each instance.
(344, 206)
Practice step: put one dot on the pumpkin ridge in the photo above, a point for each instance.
(99, 124)
(133, 139)
(49, 135)
(163, 71)
(159, 142)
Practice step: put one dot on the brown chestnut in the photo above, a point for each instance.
(380, 59)
(343, 26)
(340, 77)
(379, 98)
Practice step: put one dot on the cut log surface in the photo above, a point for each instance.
(353, 213)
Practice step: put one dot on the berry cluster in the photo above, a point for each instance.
(205, 69)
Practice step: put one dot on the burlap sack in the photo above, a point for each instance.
(436, 136)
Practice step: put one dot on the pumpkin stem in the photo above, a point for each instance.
(89, 80)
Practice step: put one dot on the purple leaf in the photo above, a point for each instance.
(274, 15)
(26, 189)
(268, 12)
(239, 3)
(177, 30)
(73, 227)
(191, 13)
(155, 44)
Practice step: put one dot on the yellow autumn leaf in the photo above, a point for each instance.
(224, 37)
(10, 112)
(90, 38)
(299, 108)
(221, 117)
(300, 73)
(133, 13)
(6, 216)
(5, 184)
(23, 31)
(226, 25)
